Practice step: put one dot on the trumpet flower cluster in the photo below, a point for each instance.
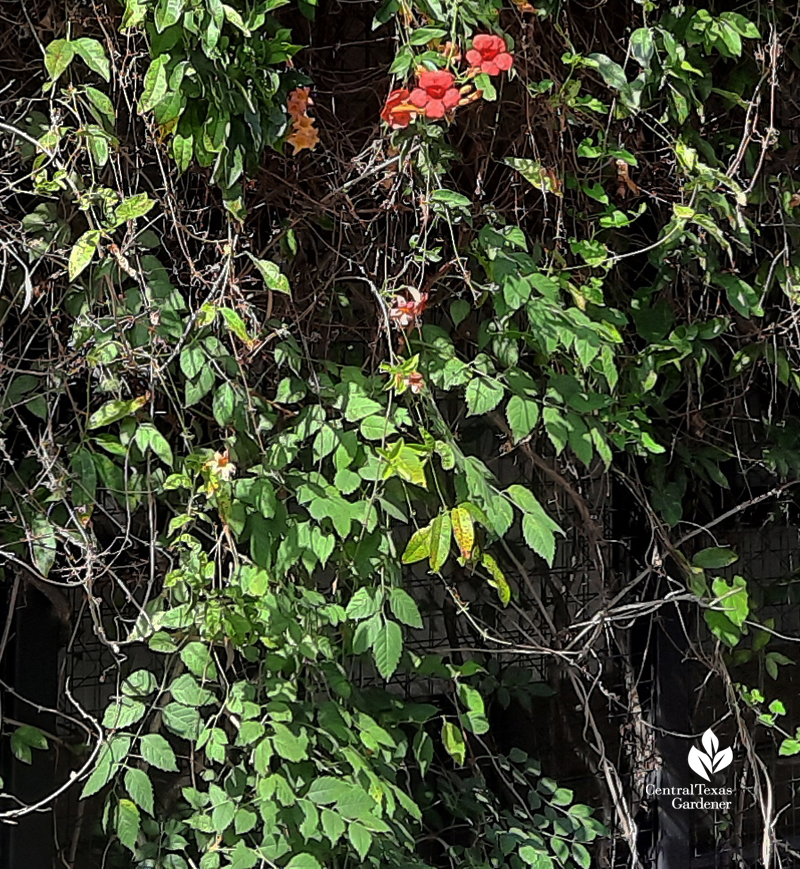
(304, 134)
(438, 93)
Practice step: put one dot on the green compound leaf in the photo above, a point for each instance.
(108, 760)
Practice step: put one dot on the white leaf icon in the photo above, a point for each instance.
(710, 743)
(698, 762)
(711, 760)
(723, 759)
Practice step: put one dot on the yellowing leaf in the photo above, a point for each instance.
(498, 579)
(406, 463)
(236, 324)
(82, 252)
(155, 84)
(111, 411)
(274, 279)
(419, 546)
(453, 740)
(440, 541)
(135, 206)
(43, 544)
(127, 823)
(57, 57)
(463, 530)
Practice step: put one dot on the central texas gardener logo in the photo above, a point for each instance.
(706, 763)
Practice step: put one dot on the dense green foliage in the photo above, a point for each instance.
(236, 413)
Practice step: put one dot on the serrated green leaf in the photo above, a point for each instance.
(140, 789)
(539, 538)
(182, 720)
(198, 660)
(537, 527)
(482, 395)
(250, 732)
(140, 683)
(123, 712)
(303, 861)
(244, 821)
(404, 608)
(327, 789)
(333, 825)
(108, 760)
(363, 604)
(185, 690)
(287, 745)
(157, 751)
(222, 815)
(360, 838)
(522, 415)
(387, 648)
